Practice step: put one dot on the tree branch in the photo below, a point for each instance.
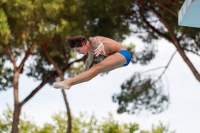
(152, 70)
(191, 51)
(167, 9)
(161, 19)
(26, 56)
(64, 55)
(176, 3)
(48, 79)
(184, 32)
(153, 28)
(197, 43)
(165, 67)
(12, 58)
(177, 45)
(60, 73)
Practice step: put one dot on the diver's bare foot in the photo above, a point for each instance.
(62, 85)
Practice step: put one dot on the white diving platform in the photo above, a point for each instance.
(189, 14)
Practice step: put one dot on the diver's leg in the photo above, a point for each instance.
(109, 63)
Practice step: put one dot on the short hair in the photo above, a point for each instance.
(76, 41)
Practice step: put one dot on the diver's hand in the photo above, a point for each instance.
(99, 49)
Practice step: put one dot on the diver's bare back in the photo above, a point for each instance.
(110, 46)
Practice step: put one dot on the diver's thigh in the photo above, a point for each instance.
(111, 62)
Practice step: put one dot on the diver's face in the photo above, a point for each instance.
(81, 50)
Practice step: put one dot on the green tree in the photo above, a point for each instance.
(152, 20)
(158, 129)
(140, 92)
(25, 26)
(84, 123)
(35, 30)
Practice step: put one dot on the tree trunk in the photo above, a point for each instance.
(68, 112)
(172, 38)
(17, 107)
(16, 115)
(187, 61)
(61, 75)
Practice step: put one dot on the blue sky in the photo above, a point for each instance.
(95, 96)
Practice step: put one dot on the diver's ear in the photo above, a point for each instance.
(84, 44)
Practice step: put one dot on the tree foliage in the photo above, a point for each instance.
(32, 28)
(84, 123)
(142, 95)
(151, 20)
